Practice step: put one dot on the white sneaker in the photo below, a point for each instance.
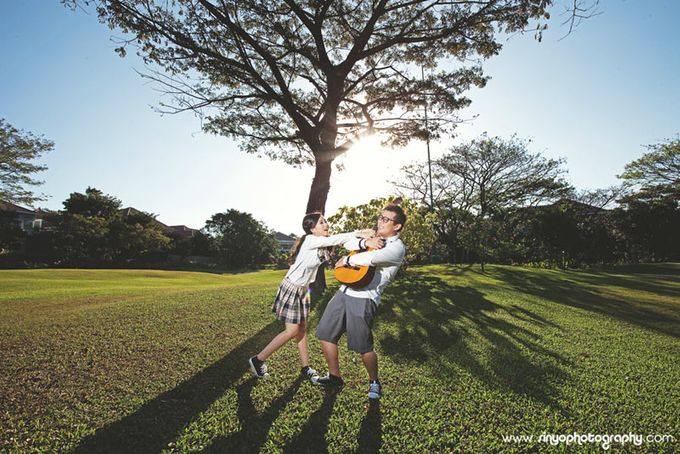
(311, 375)
(374, 390)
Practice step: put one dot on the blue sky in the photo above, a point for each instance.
(593, 98)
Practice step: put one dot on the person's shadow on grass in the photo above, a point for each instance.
(312, 437)
(370, 433)
(161, 420)
(254, 425)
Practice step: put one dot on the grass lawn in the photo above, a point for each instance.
(148, 361)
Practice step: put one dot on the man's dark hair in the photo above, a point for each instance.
(400, 216)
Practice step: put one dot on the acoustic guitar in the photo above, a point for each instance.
(355, 276)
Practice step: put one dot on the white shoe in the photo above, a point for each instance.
(311, 375)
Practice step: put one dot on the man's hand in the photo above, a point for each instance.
(375, 243)
(342, 262)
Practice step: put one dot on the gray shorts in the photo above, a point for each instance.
(346, 313)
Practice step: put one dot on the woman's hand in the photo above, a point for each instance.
(375, 243)
(366, 233)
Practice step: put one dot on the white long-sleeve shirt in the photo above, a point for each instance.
(307, 262)
(386, 261)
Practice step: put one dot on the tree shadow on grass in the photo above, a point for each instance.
(582, 291)
(160, 420)
(254, 426)
(427, 320)
(647, 278)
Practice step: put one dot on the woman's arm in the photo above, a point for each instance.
(387, 256)
(315, 242)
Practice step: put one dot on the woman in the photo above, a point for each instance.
(292, 301)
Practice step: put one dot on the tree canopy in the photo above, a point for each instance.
(657, 171)
(240, 239)
(478, 179)
(418, 235)
(92, 230)
(17, 151)
(301, 80)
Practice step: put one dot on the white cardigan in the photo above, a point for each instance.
(307, 262)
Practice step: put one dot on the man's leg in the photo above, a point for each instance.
(360, 339)
(370, 360)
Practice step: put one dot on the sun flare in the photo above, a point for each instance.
(365, 160)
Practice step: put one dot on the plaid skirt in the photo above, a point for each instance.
(292, 303)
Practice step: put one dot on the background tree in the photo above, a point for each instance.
(606, 198)
(657, 171)
(565, 234)
(199, 243)
(83, 227)
(482, 178)
(138, 238)
(648, 224)
(91, 230)
(649, 219)
(17, 151)
(451, 203)
(418, 236)
(300, 80)
(241, 240)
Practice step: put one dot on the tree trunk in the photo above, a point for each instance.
(482, 230)
(321, 184)
(318, 194)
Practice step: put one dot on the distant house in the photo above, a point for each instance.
(285, 241)
(583, 208)
(177, 231)
(24, 217)
(181, 231)
(563, 203)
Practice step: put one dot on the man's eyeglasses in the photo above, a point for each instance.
(385, 219)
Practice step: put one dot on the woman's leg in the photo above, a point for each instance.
(303, 347)
(284, 336)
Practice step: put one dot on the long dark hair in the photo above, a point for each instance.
(308, 223)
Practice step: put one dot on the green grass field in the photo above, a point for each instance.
(147, 361)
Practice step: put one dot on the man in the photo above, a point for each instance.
(352, 310)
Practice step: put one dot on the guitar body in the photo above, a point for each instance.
(357, 276)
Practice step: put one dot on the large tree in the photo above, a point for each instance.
(300, 80)
(18, 150)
